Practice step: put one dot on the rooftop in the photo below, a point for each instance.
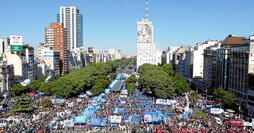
(232, 40)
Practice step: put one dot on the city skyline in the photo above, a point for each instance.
(114, 25)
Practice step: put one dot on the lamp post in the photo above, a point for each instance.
(240, 105)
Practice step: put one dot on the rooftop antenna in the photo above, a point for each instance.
(146, 11)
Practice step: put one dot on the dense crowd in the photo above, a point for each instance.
(135, 104)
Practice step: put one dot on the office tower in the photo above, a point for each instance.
(73, 23)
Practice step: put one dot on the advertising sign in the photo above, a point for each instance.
(216, 111)
(16, 40)
(46, 53)
(153, 117)
(68, 123)
(16, 48)
(235, 123)
(165, 101)
(115, 119)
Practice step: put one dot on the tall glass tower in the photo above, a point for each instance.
(73, 23)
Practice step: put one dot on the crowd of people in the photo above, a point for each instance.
(136, 104)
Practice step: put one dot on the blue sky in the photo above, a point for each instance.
(112, 23)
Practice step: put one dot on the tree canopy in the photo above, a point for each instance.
(161, 81)
(130, 84)
(224, 97)
(76, 81)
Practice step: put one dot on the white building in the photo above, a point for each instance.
(50, 59)
(118, 54)
(146, 49)
(115, 54)
(167, 56)
(198, 57)
(73, 23)
(49, 37)
(21, 57)
(19, 63)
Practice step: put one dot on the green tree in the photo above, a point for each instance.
(168, 68)
(153, 80)
(224, 97)
(180, 84)
(100, 85)
(18, 89)
(23, 104)
(130, 87)
(113, 76)
(131, 79)
(75, 81)
(147, 67)
(45, 88)
(34, 86)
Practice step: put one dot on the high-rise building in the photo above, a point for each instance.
(73, 23)
(55, 37)
(146, 49)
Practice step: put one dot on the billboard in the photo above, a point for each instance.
(216, 110)
(236, 123)
(16, 48)
(46, 53)
(16, 40)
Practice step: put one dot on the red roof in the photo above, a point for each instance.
(232, 40)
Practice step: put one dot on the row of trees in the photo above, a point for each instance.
(94, 77)
(130, 84)
(161, 81)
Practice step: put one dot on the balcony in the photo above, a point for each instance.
(250, 93)
(250, 107)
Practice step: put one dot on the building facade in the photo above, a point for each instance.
(4, 44)
(73, 23)
(223, 58)
(146, 48)
(240, 74)
(167, 56)
(51, 59)
(209, 69)
(55, 37)
(183, 61)
(6, 76)
(198, 57)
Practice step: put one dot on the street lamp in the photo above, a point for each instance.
(240, 105)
